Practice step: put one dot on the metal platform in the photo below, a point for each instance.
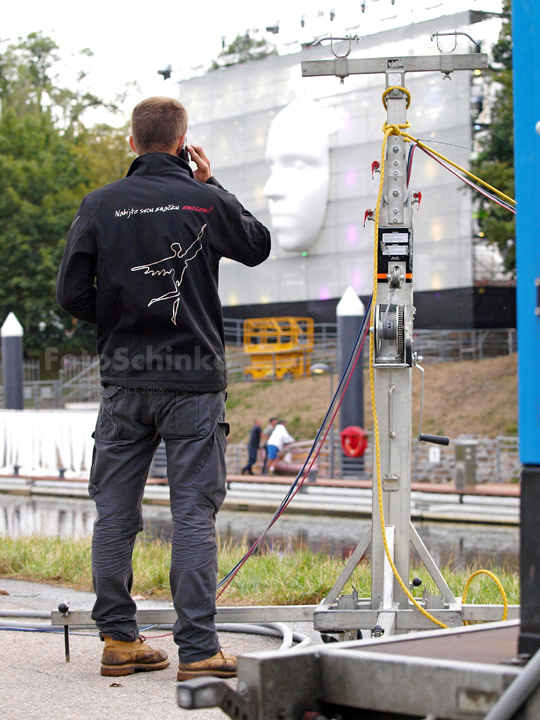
(455, 674)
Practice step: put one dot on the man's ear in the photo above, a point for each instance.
(178, 147)
(132, 144)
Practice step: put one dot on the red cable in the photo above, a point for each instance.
(483, 192)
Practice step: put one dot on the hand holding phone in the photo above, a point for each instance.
(199, 157)
(183, 154)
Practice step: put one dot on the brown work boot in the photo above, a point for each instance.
(126, 658)
(220, 665)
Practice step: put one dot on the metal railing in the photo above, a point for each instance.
(234, 332)
(457, 345)
(82, 386)
(497, 461)
(79, 382)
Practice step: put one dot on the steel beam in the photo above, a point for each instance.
(342, 67)
(255, 614)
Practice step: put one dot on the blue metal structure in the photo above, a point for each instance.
(526, 64)
(526, 71)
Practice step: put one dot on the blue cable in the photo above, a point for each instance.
(358, 343)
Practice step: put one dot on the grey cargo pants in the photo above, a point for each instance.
(128, 430)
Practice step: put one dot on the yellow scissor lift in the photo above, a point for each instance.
(278, 347)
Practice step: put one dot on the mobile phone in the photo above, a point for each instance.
(183, 154)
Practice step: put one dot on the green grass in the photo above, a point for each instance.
(302, 577)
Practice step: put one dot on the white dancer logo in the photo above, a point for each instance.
(186, 256)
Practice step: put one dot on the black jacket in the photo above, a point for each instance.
(141, 261)
(255, 436)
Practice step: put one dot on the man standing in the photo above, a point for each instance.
(141, 262)
(268, 430)
(276, 442)
(253, 447)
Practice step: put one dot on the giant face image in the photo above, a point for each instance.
(297, 189)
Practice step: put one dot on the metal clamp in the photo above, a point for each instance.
(437, 35)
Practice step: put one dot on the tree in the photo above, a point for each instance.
(48, 162)
(495, 162)
(243, 49)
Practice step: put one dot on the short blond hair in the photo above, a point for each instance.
(157, 123)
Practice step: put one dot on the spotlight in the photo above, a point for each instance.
(166, 72)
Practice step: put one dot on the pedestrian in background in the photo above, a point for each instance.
(268, 430)
(278, 439)
(253, 447)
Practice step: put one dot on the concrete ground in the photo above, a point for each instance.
(37, 684)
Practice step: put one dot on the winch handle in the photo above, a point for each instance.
(437, 439)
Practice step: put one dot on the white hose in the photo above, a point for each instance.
(271, 629)
(26, 614)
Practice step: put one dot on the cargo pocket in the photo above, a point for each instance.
(106, 427)
(93, 488)
(211, 474)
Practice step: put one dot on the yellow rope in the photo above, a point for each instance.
(390, 130)
(396, 87)
(398, 130)
(497, 582)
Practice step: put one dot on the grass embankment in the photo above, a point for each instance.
(477, 398)
(299, 578)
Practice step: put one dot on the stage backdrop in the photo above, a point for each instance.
(249, 119)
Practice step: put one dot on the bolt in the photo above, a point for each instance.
(395, 220)
(243, 688)
(395, 172)
(395, 148)
(396, 162)
(395, 193)
(377, 631)
(395, 211)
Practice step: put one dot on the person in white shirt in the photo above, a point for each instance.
(276, 441)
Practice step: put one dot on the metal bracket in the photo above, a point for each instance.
(455, 34)
(208, 692)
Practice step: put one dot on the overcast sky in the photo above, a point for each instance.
(132, 41)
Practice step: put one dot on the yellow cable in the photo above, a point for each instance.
(410, 138)
(497, 582)
(458, 167)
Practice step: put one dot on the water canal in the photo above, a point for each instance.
(457, 544)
